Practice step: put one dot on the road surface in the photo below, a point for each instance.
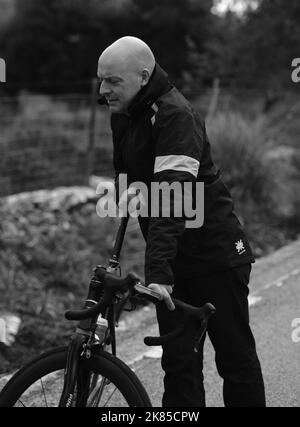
(275, 305)
(275, 316)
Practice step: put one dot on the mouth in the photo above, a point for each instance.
(111, 101)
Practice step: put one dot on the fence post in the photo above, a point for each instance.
(214, 99)
(91, 135)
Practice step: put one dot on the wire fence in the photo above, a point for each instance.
(48, 141)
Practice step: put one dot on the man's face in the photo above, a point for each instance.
(119, 84)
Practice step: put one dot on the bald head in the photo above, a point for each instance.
(124, 68)
(129, 52)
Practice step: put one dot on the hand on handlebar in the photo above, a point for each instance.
(164, 291)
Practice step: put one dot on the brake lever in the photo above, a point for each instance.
(151, 295)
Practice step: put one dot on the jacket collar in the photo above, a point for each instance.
(157, 86)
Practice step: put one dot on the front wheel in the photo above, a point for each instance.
(40, 382)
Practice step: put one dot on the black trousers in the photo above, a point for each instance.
(229, 331)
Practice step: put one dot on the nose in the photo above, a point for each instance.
(104, 89)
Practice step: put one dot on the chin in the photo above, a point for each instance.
(115, 108)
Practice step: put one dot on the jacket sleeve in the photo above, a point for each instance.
(179, 139)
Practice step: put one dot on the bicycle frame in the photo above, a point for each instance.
(104, 292)
(85, 380)
(82, 341)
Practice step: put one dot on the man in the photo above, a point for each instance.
(158, 137)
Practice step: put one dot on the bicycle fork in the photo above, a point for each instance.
(72, 370)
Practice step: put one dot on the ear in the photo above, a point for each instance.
(145, 77)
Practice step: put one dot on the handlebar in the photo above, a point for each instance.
(113, 284)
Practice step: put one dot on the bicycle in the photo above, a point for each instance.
(84, 373)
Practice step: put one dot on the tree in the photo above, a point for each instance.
(60, 40)
(177, 32)
(56, 43)
(267, 40)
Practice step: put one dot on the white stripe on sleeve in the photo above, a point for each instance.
(177, 163)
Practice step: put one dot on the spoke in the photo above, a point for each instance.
(110, 397)
(44, 393)
(21, 403)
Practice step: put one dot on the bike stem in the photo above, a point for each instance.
(114, 264)
(114, 261)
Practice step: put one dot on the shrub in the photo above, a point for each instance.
(258, 174)
(47, 253)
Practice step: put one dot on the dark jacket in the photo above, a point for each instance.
(162, 138)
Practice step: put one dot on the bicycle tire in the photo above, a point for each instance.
(101, 363)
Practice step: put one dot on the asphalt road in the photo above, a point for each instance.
(274, 302)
